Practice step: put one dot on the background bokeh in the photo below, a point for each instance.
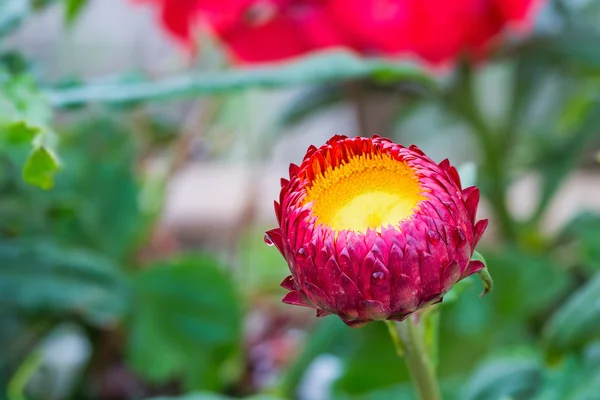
(137, 178)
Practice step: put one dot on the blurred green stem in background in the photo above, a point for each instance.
(325, 68)
(409, 342)
(18, 383)
(463, 102)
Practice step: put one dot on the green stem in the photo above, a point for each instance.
(417, 360)
(395, 339)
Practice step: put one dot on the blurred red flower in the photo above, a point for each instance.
(272, 30)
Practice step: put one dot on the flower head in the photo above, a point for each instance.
(373, 230)
(273, 30)
(435, 32)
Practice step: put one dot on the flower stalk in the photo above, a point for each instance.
(417, 359)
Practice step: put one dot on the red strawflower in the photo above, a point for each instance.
(436, 32)
(254, 30)
(273, 30)
(372, 230)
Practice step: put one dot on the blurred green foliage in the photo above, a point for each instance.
(24, 132)
(78, 212)
(185, 322)
(321, 68)
(44, 279)
(212, 396)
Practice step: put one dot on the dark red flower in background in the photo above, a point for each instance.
(273, 30)
(373, 230)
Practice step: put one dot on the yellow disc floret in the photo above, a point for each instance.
(368, 191)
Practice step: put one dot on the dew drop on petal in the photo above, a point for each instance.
(461, 239)
(377, 278)
(301, 253)
(433, 236)
(268, 240)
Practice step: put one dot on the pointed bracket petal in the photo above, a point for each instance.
(484, 274)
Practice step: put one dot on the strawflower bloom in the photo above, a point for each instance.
(436, 32)
(372, 230)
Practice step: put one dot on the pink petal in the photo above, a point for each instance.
(298, 298)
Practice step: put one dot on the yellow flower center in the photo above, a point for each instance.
(369, 191)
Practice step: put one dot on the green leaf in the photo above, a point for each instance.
(516, 377)
(484, 274)
(94, 204)
(327, 67)
(73, 9)
(577, 321)
(213, 396)
(42, 278)
(20, 132)
(40, 168)
(186, 323)
(24, 118)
